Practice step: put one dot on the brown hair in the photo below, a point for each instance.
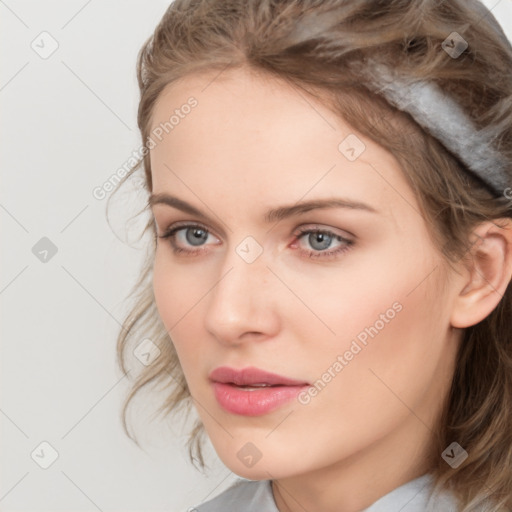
(311, 44)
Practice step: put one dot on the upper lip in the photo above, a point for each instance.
(251, 376)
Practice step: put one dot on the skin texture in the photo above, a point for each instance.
(252, 144)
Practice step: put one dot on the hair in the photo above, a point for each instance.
(311, 45)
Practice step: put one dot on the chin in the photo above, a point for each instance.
(263, 469)
(252, 473)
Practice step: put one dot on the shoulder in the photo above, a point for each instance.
(242, 496)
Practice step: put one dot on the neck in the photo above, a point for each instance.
(353, 484)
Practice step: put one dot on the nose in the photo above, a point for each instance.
(242, 303)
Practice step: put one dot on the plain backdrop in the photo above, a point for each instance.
(69, 98)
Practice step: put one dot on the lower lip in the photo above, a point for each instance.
(254, 402)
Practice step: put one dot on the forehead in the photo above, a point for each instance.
(245, 99)
(269, 139)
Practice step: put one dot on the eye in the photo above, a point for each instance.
(195, 235)
(320, 240)
(184, 234)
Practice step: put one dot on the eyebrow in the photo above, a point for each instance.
(272, 215)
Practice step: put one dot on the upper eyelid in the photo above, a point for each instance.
(220, 226)
(175, 226)
(285, 214)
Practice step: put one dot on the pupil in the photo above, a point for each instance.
(323, 238)
(198, 236)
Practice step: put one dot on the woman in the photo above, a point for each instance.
(329, 190)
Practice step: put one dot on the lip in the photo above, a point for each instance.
(251, 375)
(232, 397)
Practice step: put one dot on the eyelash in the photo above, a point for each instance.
(171, 232)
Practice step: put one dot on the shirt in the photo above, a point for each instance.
(256, 496)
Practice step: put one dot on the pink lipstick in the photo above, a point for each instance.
(251, 391)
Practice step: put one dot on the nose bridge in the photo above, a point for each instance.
(241, 298)
(244, 267)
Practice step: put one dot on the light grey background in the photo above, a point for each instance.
(68, 124)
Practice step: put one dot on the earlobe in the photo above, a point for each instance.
(488, 274)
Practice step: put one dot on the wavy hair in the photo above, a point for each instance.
(311, 44)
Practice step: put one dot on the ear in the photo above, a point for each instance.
(488, 271)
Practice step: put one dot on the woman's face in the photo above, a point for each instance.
(349, 299)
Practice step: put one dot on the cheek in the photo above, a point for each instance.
(382, 297)
(387, 316)
(177, 288)
(390, 336)
(360, 300)
(177, 299)
(164, 284)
